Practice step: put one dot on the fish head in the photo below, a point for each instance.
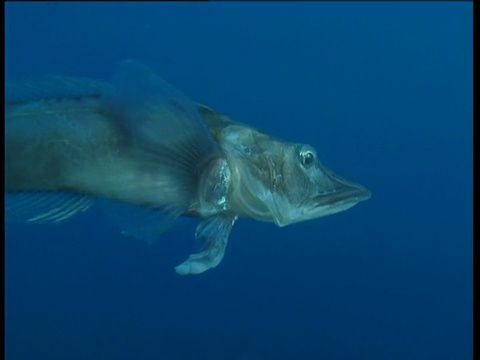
(282, 182)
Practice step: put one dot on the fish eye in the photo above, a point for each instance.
(306, 156)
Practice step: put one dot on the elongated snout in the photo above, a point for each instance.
(338, 190)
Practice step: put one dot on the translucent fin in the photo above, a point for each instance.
(44, 207)
(156, 111)
(49, 87)
(167, 133)
(213, 235)
(138, 222)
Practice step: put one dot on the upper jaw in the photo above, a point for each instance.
(341, 191)
(337, 196)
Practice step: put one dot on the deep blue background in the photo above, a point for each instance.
(382, 90)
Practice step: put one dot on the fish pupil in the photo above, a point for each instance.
(308, 158)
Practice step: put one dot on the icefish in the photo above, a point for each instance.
(141, 141)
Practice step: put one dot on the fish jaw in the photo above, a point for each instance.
(343, 191)
(335, 194)
(270, 182)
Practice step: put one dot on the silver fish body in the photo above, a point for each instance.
(140, 141)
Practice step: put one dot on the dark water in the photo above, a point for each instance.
(383, 91)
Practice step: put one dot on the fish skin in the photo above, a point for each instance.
(269, 182)
(111, 143)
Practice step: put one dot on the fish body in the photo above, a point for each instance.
(140, 141)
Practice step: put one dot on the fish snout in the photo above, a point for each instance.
(338, 190)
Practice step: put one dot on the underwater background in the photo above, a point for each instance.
(383, 91)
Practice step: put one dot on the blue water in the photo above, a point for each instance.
(382, 90)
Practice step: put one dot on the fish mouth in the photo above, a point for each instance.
(341, 191)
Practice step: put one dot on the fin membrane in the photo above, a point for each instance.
(213, 235)
(44, 207)
(138, 222)
(167, 133)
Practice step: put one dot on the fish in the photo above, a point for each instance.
(138, 140)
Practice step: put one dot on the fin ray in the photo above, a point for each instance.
(140, 223)
(166, 130)
(44, 207)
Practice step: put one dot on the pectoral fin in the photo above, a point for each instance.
(168, 139)
(213, 235)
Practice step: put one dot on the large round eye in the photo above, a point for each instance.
(306, 156)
